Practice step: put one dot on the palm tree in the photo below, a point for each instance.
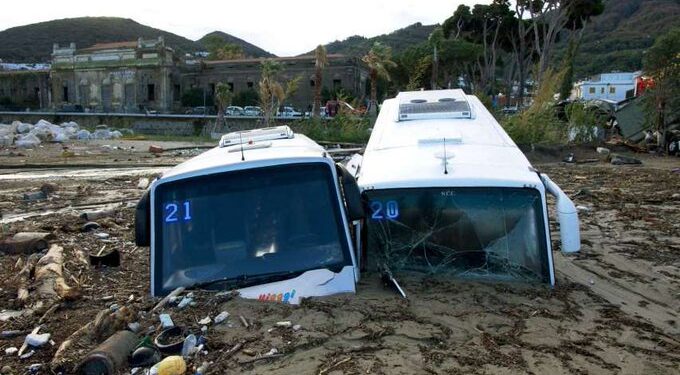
(320, 62)
(223, 96)
(272, 93)
(379, 60)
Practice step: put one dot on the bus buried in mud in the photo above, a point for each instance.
(448, 192)
(265, 213)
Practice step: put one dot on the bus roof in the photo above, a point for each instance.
(457, 143)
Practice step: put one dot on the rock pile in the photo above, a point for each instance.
(24, 135)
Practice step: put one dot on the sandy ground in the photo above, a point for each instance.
(614, 311)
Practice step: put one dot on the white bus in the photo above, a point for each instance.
(448, 192)
(266, 212)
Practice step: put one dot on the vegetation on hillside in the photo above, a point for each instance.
(398, 40)
(33, 43)
(248, 50)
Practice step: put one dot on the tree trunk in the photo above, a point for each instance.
(374, 92)
(316, 111)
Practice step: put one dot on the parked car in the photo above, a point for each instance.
(289, 112)
(251, 110)
(233, 110)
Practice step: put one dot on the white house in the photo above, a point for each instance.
(608, 86)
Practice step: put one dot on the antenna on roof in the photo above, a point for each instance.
(243, 156)
(446, 171)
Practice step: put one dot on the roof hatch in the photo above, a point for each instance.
(425, 105)
(256, 135)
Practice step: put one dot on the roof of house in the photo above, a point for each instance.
(412, 153)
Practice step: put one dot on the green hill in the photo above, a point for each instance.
(616, 39)
(33, 43)
(399, 40)
(249, 49)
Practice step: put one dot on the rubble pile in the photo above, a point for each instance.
(24, 135)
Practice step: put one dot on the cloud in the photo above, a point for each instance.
(283, 27)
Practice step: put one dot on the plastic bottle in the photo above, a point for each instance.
(189, 346)
(173, 365)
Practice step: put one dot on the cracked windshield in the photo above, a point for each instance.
(465, 232)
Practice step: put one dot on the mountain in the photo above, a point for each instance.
(617, 39)
(249, 49)
(33, 43)
(399, 40)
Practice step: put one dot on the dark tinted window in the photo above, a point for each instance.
(274, 219)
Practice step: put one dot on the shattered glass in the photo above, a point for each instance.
(495, 233)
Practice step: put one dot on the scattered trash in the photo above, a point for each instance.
(204, 329)
(221, 317)
(170, 340)
(114, 307)
(166, 321)
(189, 346)
(94, 215)
(11, 334)
(90, 225)
(111, 356)
(244, 321)
(583, 208)
(34, 196)
(10, 314)
(271, 352)
(145, 356)
(27, 355)
(297, 327)
(109, 259)
(27, 141)
(11, 350)
(102, 235)
(37, 340)
(205, 321)
(284, 324)
(155, 149)
(185, 302)
(22, 246)
(167, 298)
(134, 327)
(570, 158)
(622, 160)
(34, 368)
(202, 369)
(173, 365)
(143, 183)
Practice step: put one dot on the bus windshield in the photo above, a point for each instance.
(466, 232)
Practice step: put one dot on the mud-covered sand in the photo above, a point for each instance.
(614, 310)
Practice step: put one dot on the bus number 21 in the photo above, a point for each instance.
(172, 212)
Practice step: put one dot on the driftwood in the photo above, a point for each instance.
(12, 246)
(165, 299)
(104, 325)
(49, 278)
(25, 278)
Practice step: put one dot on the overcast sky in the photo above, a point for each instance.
(283, 27)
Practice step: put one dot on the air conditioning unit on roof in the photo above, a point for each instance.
(427, 105)
(256, 135)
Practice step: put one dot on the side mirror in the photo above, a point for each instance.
(143, 221)
(351, 193)
(567, 216)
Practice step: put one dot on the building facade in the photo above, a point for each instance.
(147, 75)
(615, 87)
(115, 77)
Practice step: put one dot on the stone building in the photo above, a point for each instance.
(24, 88)
(136, 76)
(116, 77)
(341, 73)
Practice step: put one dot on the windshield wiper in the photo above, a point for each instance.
(242, 281)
